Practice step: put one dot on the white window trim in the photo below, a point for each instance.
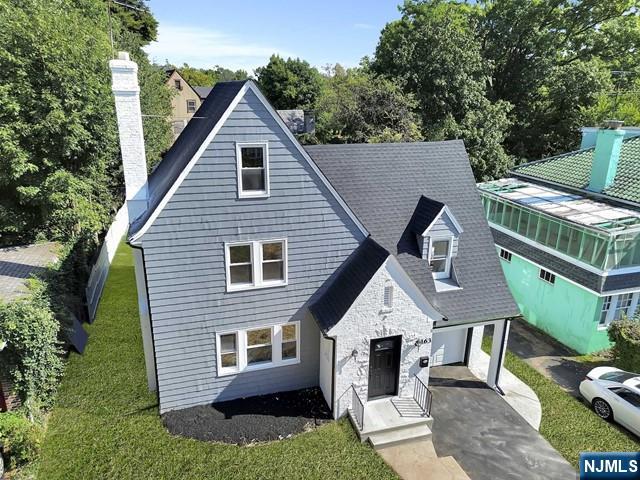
(613, 307)
(227, 370)
(257, 194)
(544, 279)
(447, 270)
(241, 345)
(256, 265)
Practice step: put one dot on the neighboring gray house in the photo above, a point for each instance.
(263, 266)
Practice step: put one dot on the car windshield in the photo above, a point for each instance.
(618, 376)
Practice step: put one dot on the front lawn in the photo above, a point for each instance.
(106, 425)
(568, 424)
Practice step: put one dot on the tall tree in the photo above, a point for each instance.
(135, 16)
(291, 83)
(59, 169)
(536, 44)
(355, 107)
(434, 53)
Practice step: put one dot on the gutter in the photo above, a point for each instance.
(153, 340)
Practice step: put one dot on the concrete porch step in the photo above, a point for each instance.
(399, 435)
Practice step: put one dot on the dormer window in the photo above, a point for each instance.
(253, 170)
(437, 233)
(441, 258)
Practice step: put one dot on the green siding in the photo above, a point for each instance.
(565, 311)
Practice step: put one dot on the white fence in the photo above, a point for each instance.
(100, 269)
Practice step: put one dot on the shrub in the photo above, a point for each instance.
(626, 350)
(32, 355)
(20, 437)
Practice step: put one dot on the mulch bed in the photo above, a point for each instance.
(254, 419)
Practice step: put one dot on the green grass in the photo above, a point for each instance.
(106, 425)
(568, 424)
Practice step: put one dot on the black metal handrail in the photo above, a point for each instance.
(423, 396)
(357, 408)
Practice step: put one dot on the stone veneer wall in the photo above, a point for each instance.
(367, 319)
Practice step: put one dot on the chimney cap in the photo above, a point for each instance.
(613, 124)
(123, 56)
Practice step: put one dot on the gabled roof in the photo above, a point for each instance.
(186, 146)
(384, 183)
(203, 92)
(347, 282)
(193, 141)
(427, 212)
(573, 169)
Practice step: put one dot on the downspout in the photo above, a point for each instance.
(153, 340)
(333, 374)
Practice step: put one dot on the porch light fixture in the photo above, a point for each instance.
(354, 353)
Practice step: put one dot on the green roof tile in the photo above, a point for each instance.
(573, 169)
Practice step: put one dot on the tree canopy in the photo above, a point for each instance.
(208, 77)
(355, 107)
(290, 83)
(433, 52)
(59, 166)
(515, 79)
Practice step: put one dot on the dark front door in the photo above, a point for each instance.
(384, 366)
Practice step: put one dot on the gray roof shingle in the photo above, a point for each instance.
(383, 185)
(203, 92)
(346, 284)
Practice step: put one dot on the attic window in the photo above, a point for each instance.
(191, 106)
(253, 170)
(178, 84)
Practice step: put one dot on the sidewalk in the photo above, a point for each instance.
(517, 393)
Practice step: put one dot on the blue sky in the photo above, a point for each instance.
(244, 33)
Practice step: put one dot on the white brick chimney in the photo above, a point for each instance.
(124, 75)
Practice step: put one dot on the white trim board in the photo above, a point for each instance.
(446, 210)
(249, 85)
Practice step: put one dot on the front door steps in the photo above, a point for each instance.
(391, 421)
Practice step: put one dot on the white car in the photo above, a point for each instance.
(614, 395)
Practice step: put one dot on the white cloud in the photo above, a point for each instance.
(201, 47)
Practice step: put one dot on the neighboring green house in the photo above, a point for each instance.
(567, 230)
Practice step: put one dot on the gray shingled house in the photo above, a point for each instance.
(266, 266)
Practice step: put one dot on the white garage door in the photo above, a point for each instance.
(448, 346)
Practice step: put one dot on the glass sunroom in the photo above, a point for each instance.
(594, 233)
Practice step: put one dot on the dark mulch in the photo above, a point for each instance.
(254, 419)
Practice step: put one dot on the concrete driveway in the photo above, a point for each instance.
(485, 435)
